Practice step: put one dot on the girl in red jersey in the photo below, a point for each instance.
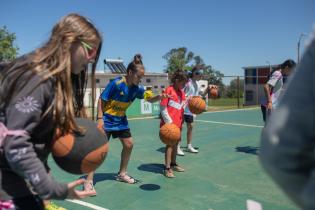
(172, 110)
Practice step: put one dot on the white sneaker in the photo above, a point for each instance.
(192, 150)
(180, 151)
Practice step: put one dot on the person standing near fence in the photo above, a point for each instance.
(274, 87)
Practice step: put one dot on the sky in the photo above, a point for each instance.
(227, 34)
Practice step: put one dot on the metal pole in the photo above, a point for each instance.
(238, 92)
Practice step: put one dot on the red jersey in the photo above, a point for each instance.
(174, 105)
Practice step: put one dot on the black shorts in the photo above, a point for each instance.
(188, 118)
(118, 134)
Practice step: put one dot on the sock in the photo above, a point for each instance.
(189, 146)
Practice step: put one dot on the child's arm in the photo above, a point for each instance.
(24, 113)
(164, 113)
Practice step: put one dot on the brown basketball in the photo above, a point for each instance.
(81, 153)
(169, 134)
(196, 105)
(213, 93)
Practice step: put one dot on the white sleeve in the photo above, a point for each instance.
(166, 117)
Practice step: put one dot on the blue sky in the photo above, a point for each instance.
(226, 34)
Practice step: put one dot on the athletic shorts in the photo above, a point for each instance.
(118, 134)
(188, 118)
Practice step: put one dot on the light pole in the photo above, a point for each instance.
(298, 46)
(269, 65)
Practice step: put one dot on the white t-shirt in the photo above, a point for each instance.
(191, 89)
(276, 81)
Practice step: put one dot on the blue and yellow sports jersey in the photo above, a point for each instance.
(116, 98)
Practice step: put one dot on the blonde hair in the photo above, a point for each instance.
(53, 59)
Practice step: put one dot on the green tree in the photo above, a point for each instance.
(231, 91)
(178, 58)
(8, 49)
(181, 58)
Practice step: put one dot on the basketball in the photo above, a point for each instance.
(81, 153)
(169, 134)
(213, 93)
(196, 105)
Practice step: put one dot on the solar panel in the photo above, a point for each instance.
(116, 66)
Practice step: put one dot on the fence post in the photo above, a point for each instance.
(238, 92)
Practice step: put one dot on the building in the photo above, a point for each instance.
(255, 78)
(154, 81)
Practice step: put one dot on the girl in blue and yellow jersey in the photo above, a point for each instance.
(113, 103)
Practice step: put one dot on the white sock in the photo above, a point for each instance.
(189, 146)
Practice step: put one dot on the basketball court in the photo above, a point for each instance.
(224, 175)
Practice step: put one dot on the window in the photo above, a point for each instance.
(250, 76)
(162, 86)
(148, 80)
(97, 80)
(156, 87)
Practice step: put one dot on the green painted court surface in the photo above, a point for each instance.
(222, 176)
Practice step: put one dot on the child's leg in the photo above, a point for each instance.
(125, 157)
(189, 122)
(173, 153)
(88, 184)
(127, 144)
(168, 155)
(189, 132)
(174, 164)
(169, 151)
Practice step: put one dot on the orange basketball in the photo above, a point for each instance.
(213, 93)
(196, 105)
(81, 153)
(170, 134)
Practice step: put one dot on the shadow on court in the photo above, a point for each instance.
(156, 168)
(248, 149)
(150, 187)
(99, 177)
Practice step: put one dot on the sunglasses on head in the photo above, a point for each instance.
(198, 73)
(91, 51)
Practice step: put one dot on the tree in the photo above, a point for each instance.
(178, 58)
(8, 50)
(181, 58)
(232, 88)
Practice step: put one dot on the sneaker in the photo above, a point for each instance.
(53, 206)
(126, 178)
(177, 168)
(168, 172)
(88, 186)
(192, 150)
(180, 152)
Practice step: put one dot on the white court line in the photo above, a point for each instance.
(231, 110)
(82, 203)
(142, 118)
(225, 123)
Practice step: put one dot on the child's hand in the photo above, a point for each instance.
(100, 125)
(78, 194)
(164, 95)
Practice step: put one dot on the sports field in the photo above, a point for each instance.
(222, 176)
